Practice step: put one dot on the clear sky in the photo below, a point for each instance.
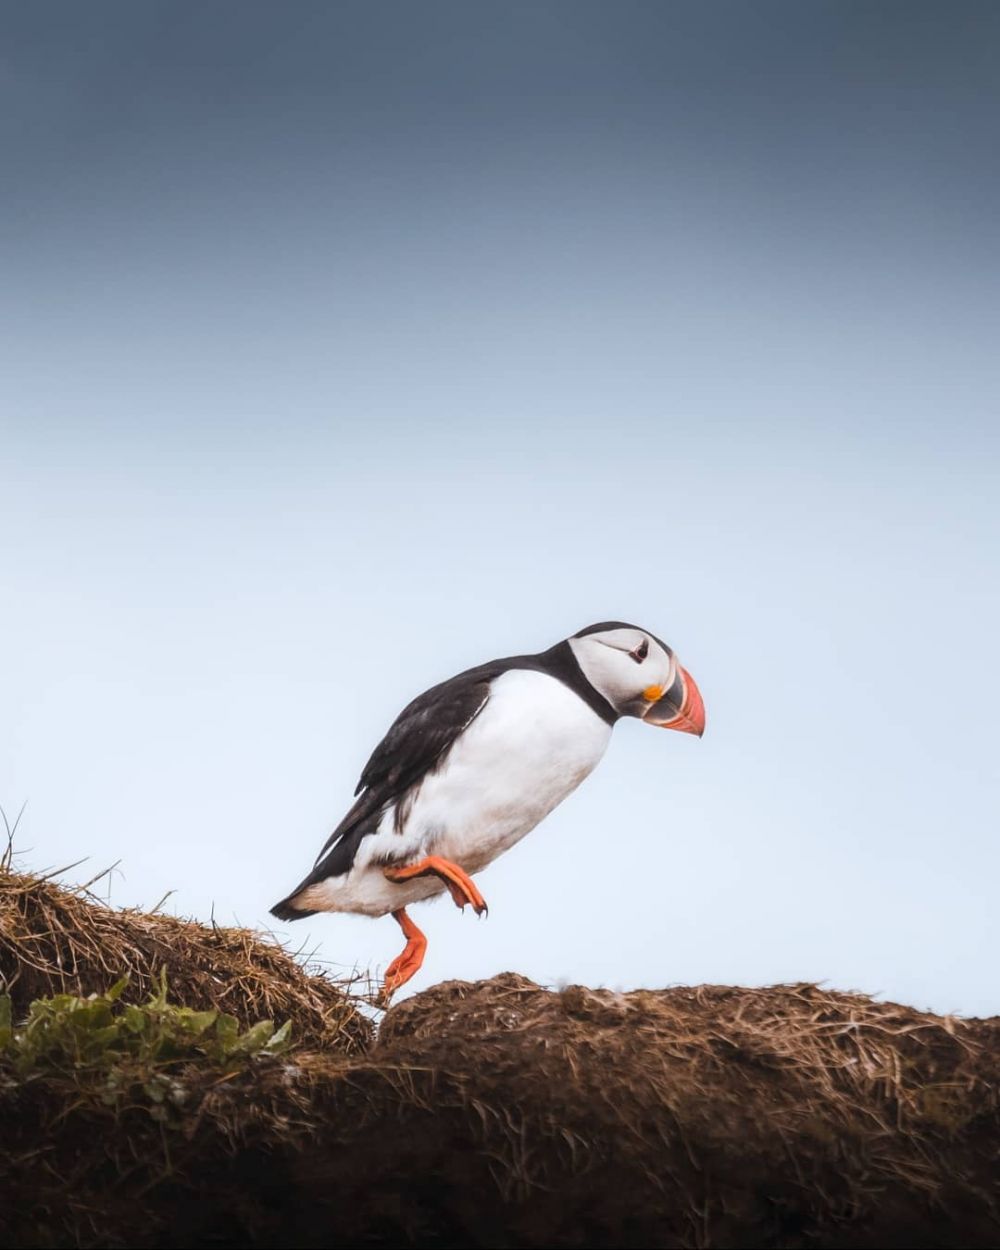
(347, 345)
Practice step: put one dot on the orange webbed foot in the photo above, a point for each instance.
(460, 885)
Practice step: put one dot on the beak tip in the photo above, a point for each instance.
(694, 705)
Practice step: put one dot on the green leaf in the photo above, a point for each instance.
(196, 1022)
(159, 998)
(281, 1039)
(118, 989)
(227, 1028)
(255, 1038)
(134, 1019)
(101, 1039)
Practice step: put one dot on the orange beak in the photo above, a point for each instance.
(681, 707)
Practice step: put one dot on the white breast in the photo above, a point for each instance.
(532, 744)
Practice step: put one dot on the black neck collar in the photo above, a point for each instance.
(562, 663)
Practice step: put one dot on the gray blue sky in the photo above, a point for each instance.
(345, 346)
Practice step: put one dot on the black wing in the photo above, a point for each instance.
(417, 740)
(422, 733)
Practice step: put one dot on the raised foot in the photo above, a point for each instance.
(460, 885)
(409, 960)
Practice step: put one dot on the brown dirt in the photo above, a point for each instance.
(503, 1114)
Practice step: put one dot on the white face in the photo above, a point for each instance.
(628, 666)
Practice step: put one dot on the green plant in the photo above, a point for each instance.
(128, 1044)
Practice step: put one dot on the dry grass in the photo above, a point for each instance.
(55, 940)
(708, 1116)
(497, 1113)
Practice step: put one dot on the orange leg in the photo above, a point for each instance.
(459, 883)
(406, 964)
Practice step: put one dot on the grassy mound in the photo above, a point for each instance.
(57, 941)
(712, 1116)
(491, 1114)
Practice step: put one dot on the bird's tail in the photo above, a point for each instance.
(287, 910)
(335, 860)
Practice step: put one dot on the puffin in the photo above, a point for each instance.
(476, 762)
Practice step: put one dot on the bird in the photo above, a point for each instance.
(473, 764)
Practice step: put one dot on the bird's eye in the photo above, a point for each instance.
(641, 651)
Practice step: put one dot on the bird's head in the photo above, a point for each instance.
(639, 676)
